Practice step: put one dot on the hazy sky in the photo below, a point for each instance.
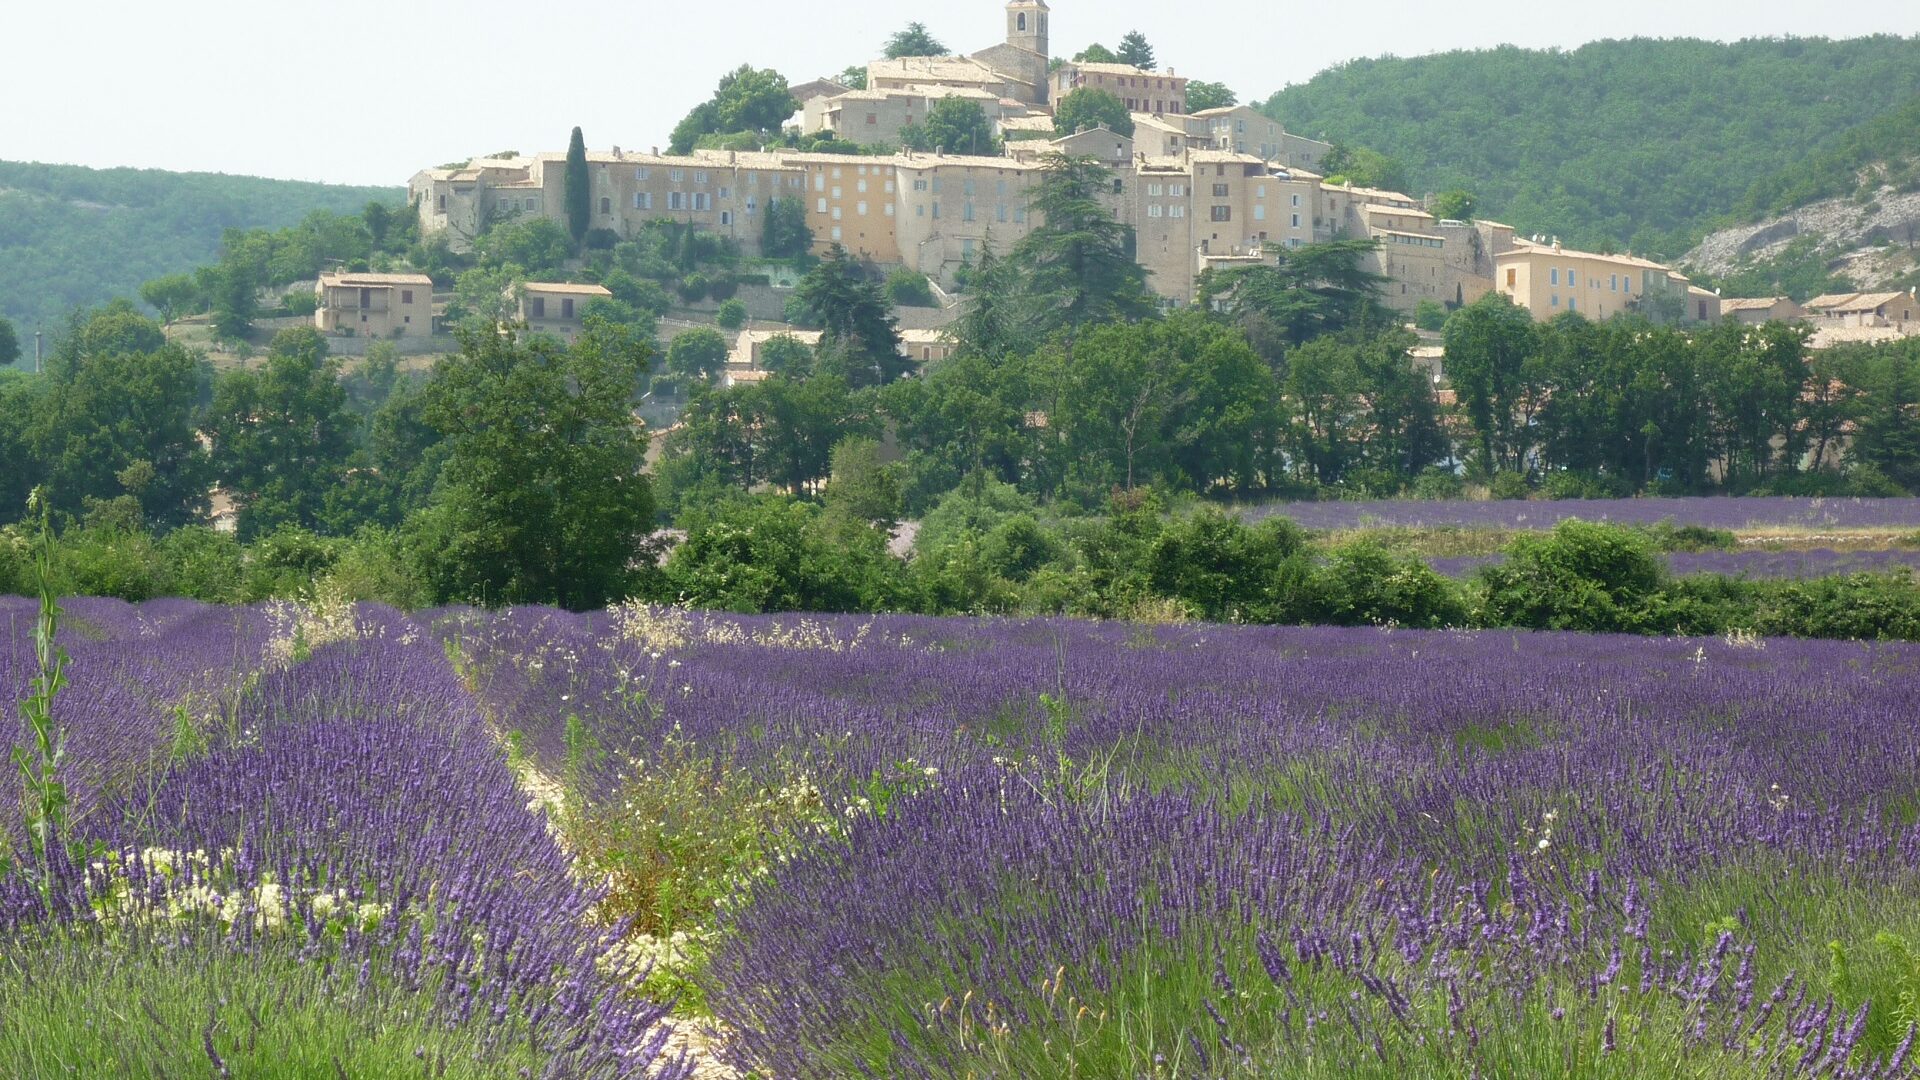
(368, 91)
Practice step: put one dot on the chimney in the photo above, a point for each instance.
(656, 151)
(617, 155)
(733, 156)
(939, 151)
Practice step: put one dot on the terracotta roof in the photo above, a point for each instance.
(567, 288)
(1127, 70)
(1528, 248)
(1751, 303)
(1403, 211)
(1842, 302)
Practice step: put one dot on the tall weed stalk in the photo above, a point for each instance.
(38, 757)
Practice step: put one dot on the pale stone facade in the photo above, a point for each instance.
(1138, 89)
(1548, 280)
(557, 308)
(374, 305)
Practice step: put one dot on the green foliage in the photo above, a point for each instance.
(1364, 167)
(1076, 267)
(747, 99)
(1492, 360)
(77, 237)
(1581, 576)
(9, 343)
(913, 40)
(282, 434)
(776, 554)
(859, 341)
(699, 353)
(1307, 292)
(1363, 584)
(1859, 160)
(731, 316)
(1637, 165)
(1799, 269)
(785, 234)
(955, 124)
(1455, 205)
(1091, 107)
(115, 415)
(1225, 571)
(541, 498)
(538, 246)
(1429, 314)
(1203, 95)
(909, 288)
(1135, 50)
(578, 189)
(860, 486)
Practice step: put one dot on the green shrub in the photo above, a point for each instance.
(907, 287)
(1227, 571)
(1581, 576)
(1868, 607)
(116, 562)
(1437, 483)
(1510, 485)
(732, 315)
(204, 564)
(1362, 583)
(1668, 536)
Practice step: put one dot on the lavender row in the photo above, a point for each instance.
(1726, 512)
(1797, 565)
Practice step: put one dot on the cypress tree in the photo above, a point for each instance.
(579, 195)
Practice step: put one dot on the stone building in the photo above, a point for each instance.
(374, 305)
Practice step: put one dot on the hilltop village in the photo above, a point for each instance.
(1200, 189)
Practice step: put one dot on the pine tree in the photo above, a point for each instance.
(1135, 50)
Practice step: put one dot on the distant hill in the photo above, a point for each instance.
(1640, 143)
(72, 237)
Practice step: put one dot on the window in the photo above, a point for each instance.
(701, 201)
(836, 191)
(1019, 215)
(643, 200)
(1296, 200)
(726, 193)
(936, 185)
(1000, 212)
(919, 211)
(1572, 302)
(726, 217)
(406, 296)
(606, 205)
(836, 233)
(676, 175)
(966, 187)
(836, 213)
(1119, 186)
(676, 200)
(819, 181)
(820, 205)
(1156, 190)
(752, 204)
(966, 248)
(1223, 213)
(1000, 188)
(1511, 274)
(1553, 277)
(1177, 210)
(1296, 221)
(1154, 210)
(1220, 191)
(966, 212)
(887, 186)
(1613, 282)
(873, 119)
(1177, 191)
(443, 202)
(1260, 192)
(639, 174)
(860, 208)
(1020, 21)
(1293, 241)
(1259, 213)
(1556, 299)
(889, 210)
(919, 185)
(861, 186)
(1570, 277)
(566, 307)
(699, 176)
(539, 307)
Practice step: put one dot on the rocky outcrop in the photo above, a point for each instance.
(1871, 242)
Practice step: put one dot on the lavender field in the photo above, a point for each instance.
(1725, 512)
(912, 847)
(1752, 563)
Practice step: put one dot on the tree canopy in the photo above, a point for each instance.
(748, 100)
(1135, 50)
(913, 40)
(1091, 107)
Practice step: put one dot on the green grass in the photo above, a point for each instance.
(91, 1003)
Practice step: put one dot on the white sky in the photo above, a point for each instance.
(368, 91)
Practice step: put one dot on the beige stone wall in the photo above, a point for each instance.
(950, 208)
(374, 310)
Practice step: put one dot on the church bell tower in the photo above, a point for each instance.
(1027, 25)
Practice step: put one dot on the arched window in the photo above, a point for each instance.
(1020, 21)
